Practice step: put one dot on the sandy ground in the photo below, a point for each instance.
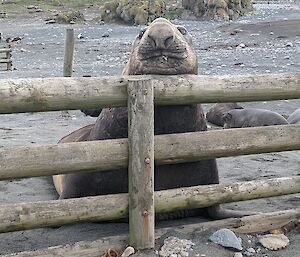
(272, 44)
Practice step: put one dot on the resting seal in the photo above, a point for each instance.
(216, 113)
(162, 48)
(294, 118)
(251, 117)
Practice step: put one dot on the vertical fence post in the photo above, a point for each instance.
(68, 59)
(9, 58)
(141, 163)
(69, 53)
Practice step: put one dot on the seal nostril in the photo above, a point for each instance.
(169, 41)
(152, 41)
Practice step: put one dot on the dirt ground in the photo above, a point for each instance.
(271, 35)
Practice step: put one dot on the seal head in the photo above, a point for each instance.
(164, 49)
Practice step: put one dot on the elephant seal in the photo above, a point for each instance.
(294, 118)
(163, 49)
(216, 113)
(91, 112)
(251, 117)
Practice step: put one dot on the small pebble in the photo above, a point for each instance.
(183, 253)
(105, 34)
(128, 251)
(241, 45)
(289, 44)
(251, 250)
(237, 254)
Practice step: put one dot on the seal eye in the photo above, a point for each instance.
(142, 32)
(182, 30)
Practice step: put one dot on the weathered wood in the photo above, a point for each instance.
(251, 224)
(68, 59)
(31, 161)
(69, 53)
(79, 249)
(5, 60)
(50, 94)
(5, 50)
(141, 164)
(8, 57)
(258, 223)
(21, 216)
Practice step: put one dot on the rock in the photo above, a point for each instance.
(289, 44)
(29, 7)
(80, 36)
(226, 238)
(128, 251)
(251, 250)
(105, 34)
(274, 242)
(72, 22)
(241, 45)
(238, 254)
(50, 21)
(174, 246)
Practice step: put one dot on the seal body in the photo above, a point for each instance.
(251, 117)
(162, 48)
(294, 118)
(216, 113)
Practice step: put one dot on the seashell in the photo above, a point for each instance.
(274, 242)
(128, 251)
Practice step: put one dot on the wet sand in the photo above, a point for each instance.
(272, 45)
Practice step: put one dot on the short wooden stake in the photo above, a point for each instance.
(69, 53)
(141, 163)
(68, 59)
(8, 58)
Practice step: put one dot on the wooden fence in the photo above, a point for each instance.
(142, 92)
(7, 58)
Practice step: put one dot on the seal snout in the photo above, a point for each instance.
(161, 37)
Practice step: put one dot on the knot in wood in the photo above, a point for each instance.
(145, 213)
(145, 91)
(147, 160)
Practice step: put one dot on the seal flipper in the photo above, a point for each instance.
(218, 212)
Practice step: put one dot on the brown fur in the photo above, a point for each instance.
(216, 113)
(162, 48)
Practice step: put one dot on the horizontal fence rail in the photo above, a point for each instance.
(52, 94)
(21, 216)
(31, 161)
(5, 50)
(258, 223)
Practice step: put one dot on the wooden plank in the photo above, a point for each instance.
(141, 164)
(43, 160)
(22, 216)
(5, 50)
(5, 60)
(69, 53)
(251, 224)
(51, 94)
(68, 59)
